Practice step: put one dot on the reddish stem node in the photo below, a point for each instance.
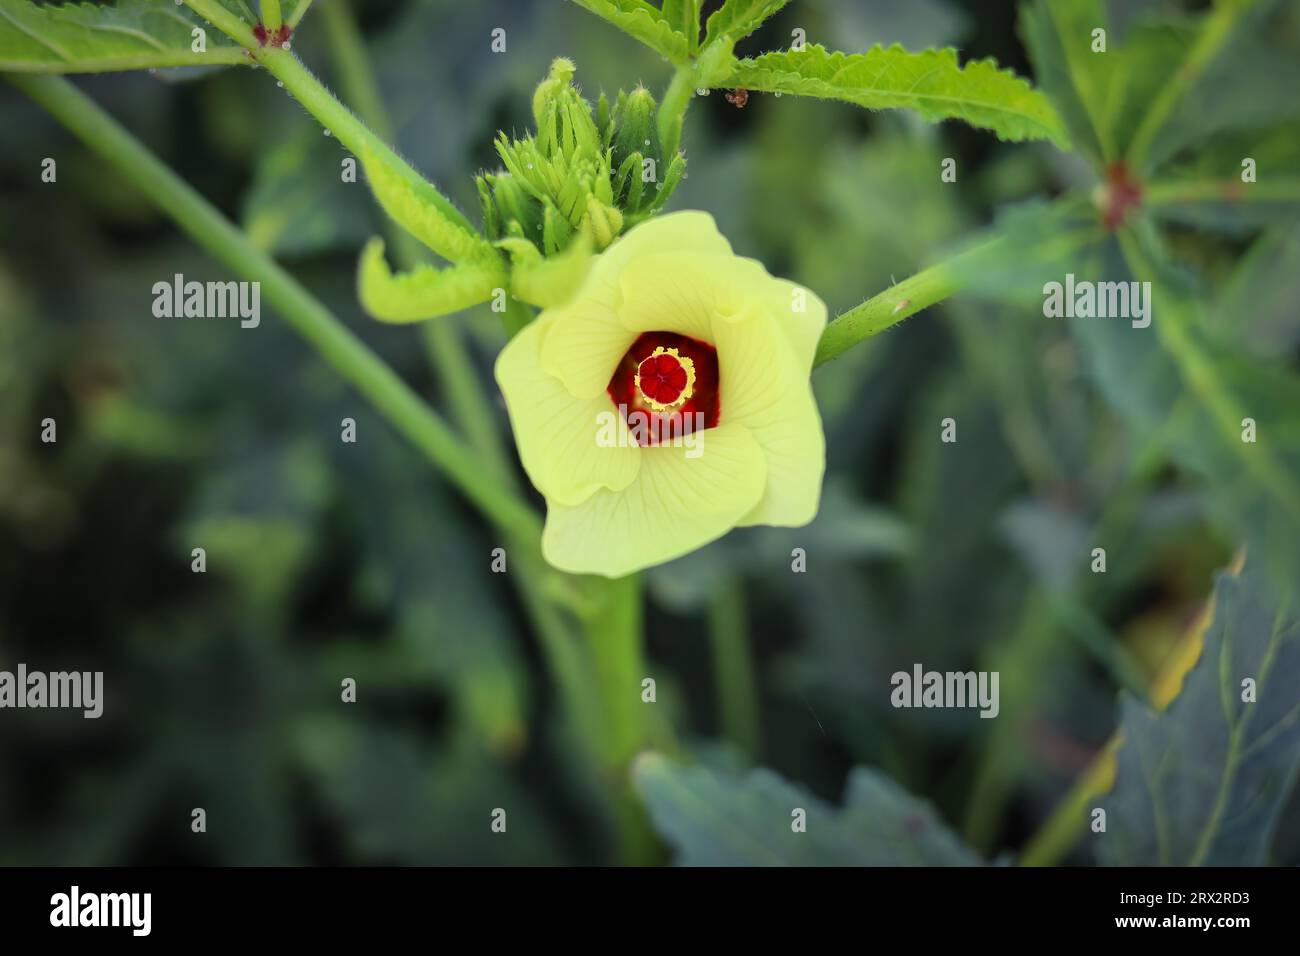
(277, 39)
(1120, 195)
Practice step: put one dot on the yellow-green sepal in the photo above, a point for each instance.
(424, 292)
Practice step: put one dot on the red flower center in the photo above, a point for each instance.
(666, 385)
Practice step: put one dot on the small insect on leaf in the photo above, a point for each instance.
(738, 98)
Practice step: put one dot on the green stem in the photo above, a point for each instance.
(320, 103)
(890, 307)
(565, 662)
(615, 638)
(469, 403)
(374, 379)
(1220, 190)
(733, 666)
(271, 18)
(225, 21)
(338, 119)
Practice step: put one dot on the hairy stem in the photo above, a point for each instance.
(888, 308)
(225, 21)
(271, 18)
(470, 405)
(369, 374)
(358, 138)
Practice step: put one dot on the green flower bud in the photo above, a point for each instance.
(605, 222)
(564, 122)
(560, 78)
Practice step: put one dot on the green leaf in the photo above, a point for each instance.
(420, 209)
(1256, 305)
(424, 292)
(1203, 782)
(129, 35)
(931, 82)
(1170, 83)
(716, 819)
(643, 22)
(1236, 71)
(737, 19)
(547, 282)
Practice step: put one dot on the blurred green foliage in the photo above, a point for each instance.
(329, 560)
